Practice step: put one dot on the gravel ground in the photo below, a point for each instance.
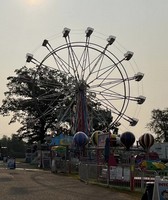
(24, 183)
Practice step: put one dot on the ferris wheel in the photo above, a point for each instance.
(95, 76)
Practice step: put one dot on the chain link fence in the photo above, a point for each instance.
(118, 176)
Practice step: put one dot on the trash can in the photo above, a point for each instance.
(11, 164)
(148, 191)
(53, 166)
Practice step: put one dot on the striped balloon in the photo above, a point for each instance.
(146, 141)
(94, 137)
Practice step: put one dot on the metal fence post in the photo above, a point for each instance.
(142, 181)
(87, 173)
(132, 169)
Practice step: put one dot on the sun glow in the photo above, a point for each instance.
(34, 2)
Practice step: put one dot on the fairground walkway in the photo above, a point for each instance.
(25, 183)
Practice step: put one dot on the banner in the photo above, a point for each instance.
(102, 139)
(61, 140)
(160, 191)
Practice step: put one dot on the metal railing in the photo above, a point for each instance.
(119, 176)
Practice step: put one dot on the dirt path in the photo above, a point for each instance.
(25, 184)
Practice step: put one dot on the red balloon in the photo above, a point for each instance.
(146, 141)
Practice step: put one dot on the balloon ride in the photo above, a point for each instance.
(94, 137)
(146, 141)
(80, 139)
(127, 139)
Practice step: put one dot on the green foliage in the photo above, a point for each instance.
(13, 146)
(33, 96)
(159, 124)
(41, 97)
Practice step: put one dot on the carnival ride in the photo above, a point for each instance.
(95, 83)
(97, 79)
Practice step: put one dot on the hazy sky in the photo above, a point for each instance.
(139, 25)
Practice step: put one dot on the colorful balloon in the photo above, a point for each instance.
(146, 141)
(80, 139)
(94, 137)
(127, 139)
(113, 140)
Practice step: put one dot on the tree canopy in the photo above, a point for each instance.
(12, 146)
(159, 124)
(31, 97)
(41, 97)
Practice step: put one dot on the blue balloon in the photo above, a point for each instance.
(80, 139)
(127, 139)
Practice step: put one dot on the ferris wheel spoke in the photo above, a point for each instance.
(122, 99)
(108, 74)
(81, 62)
(45, 97)
(106, 104)
(105, 72)
(90, 64)
(62, 64)
(109, 93)
(47, 107)
(112, 96)
(114, 107)
(73, 59)
(85, 60)
(112, 83)
(49, 84)
(97, 62)
(61, 116)
(100, 59)
(51, 108)
(51, 50)
(99, 117)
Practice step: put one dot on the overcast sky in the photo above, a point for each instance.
(139, 25)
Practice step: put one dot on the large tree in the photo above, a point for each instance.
(159, 124)
(41, 97)
(35, 97)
